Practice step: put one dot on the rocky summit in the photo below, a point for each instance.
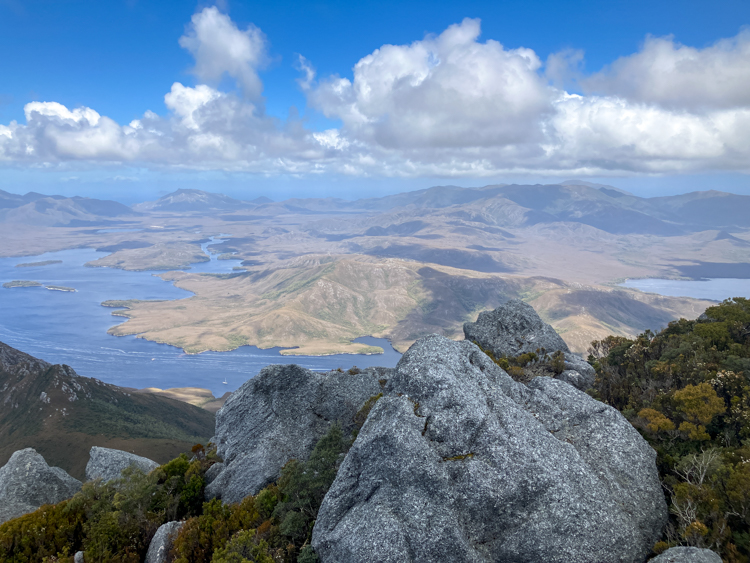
(279, 415)
(515, 328)
(458, 462)
(27, 482)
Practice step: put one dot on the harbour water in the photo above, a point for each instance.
(716, 289)
(71, 327)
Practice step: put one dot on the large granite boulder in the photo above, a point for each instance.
(161, 543)
(27, 482)
(514, 328)
(279, 415)
(108, 464)
(458, 462)
(687, 555)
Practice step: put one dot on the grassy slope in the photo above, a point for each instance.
(62, 415)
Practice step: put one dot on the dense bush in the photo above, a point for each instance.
(274, 525)
(687, 389)
(112, 521)
(50, 532)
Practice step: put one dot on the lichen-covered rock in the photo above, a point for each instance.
(107, 464)
(279, 415)
(514, 328)
(27, 482)
(460, 463)
(162, 542)
(79, 558)
(687, 555)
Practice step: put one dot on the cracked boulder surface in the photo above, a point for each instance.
(515, 328)
(458, 462)
(279, 415)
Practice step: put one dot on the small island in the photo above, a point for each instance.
(21, 283)
(59, 288)
(35, 264)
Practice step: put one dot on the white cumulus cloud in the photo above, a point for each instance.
(219, 47)
(445, 91)
(667, 73)
(450, 105)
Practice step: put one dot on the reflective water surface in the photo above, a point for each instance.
(71, 327)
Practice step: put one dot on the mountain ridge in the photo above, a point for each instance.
(61, 415)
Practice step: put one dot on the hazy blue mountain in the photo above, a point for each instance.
(193, 201)
(41, 210)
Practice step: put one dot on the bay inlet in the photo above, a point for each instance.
(71, 327)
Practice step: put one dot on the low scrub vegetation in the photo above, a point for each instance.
(112, 521)
(115, 521)
(687, 389)
(273, 526)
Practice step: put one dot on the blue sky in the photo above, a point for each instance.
(520, 91)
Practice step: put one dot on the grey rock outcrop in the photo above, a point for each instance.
(27, 482)
(514, 328)
(107, 464)
(213, 472)
(687, 555)
(78, 557)
(162, 542)
(279, 415)
(458, 462)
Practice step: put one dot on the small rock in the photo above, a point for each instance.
(27, 482)
(213, 472)
(687, 555)
(78, 557)
(279, 415)
(162, 542)
(107, 464)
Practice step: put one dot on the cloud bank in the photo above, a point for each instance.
(446, 105)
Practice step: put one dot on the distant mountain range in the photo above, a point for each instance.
(59, 211)
(603, 207)
(61, 415)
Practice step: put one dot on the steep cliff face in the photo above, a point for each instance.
(62, 415)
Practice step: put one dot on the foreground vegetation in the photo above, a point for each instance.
(116, 521)
(112, 521)
(687, 389)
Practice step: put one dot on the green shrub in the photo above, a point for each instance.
(112, 521)
(687, 389)
(50, 531)
(274, 525)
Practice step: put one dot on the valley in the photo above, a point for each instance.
(314, 275)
